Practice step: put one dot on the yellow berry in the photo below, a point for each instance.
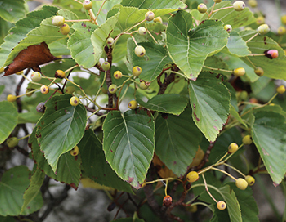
(259, 71)
(70, 90)
(239, 71)
(158, 20)
(280, 89)
(281, 30)
(36, 76)
(149, 16)
(283, 19)
(202, 8)
(137, 71)
(19, 73)
(44, 89)
(74, 151)
(11, 98)
(192, 176)
(192, 208)
(263, 29)
(132, 104)
(241, 183)
(117, 74)
(12, 142)
(87, 4)
(221, 205)
(74, 101)
(233, 147)
(65, 29)
(60, 74)
(58, 20)
(250, 180)
(260, 20)
(112, 89)
(140, 51)
(143, 85)
(227, 28)
(247, 139)
(252, 3)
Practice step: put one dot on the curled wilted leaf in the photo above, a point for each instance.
(31, 57)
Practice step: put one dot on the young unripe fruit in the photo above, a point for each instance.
(192, 176)
(238, 5)
(87, 4)
(158, 20)
(142, 31)
(192, 208)
(12, 142)
(263, 29)
(259, 71)
(252, 3)
(149, 16)
(221, 205)
(227, 28)
(65, 29)
(60, 74)
(272, 54)
(74, 101)
(283, 19)
(143, 85)
(241, 183)
(44, 89)
(239, 71)
(140, 51)
(132, 104)
(70, 90)
(217, 1)
(117, 74)
(250, 180)
(202, 8)
(280, 89)
(281, 30)
(110, 41)
(36, 76)
(136, 71)
(260, 20)
(112, 89)
(58, 20)
(105, 66)
(74, 151)
(243, 95)
(11, 98)
(233, 147)
(247, 139)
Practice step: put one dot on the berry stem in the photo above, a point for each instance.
(256, 54)
(232, 177)
(221, 9)
(251, 38)
(92, 16)
(152, 36)
(81, 89)
(218, 69)
(24, 137)
(234, 169)
(207, 189)
(79, 20)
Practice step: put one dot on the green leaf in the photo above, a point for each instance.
(236, 115)
(99, 36)
(80, 44)
(259, 45)
(46, 32)
(166, 103)
(268, 133)
(129, 144)
(230, 16)
(210, 102)
(95, 165)
(4, 27)
(2, 87)
(214, 62)
(154, 61)
(34, 189)
(68, 170)
(59, 48)
(189, 47)
(13, 185)
(248, 205)
(177, 140)
(12, 11)
(8, 119)
(21, 29)
(61, 128)
(7, 219)
(28, 117)
(236, 45)
(154, 4)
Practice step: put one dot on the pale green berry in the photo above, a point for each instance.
(227, 28)
(202, 8)
(36, 76)
(149, 16)
(105, 66)
(238, 5)
(58, 20)
(263, 29)
(110, 41)
(140, 51)
(142, 31)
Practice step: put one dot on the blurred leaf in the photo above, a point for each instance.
(154, 4)
(189, 47)
(12, 11)
(129, 144)
(8, 119)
